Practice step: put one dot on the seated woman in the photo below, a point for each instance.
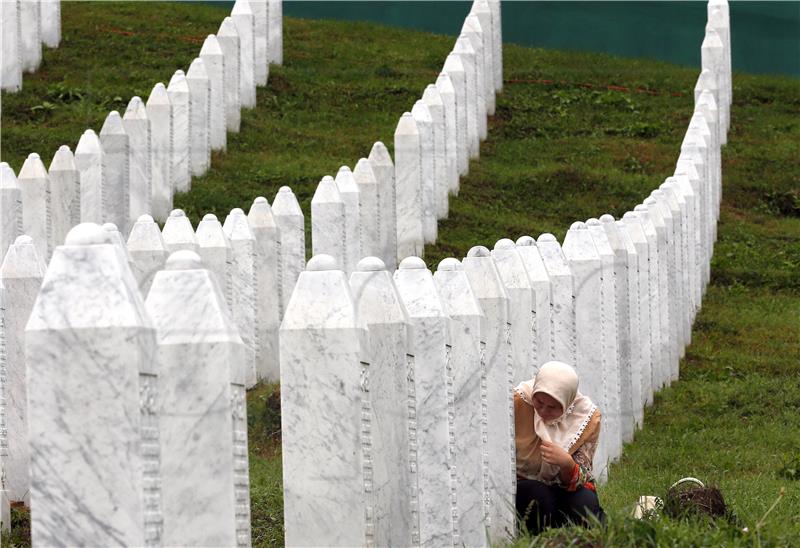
(557, 429)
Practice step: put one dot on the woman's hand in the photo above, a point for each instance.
(554, 454)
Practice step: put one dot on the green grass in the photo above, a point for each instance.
(565, 144)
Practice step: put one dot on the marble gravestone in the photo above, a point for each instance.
(289, 218)
(351, 199)
(94, 453)
(474, 33)
(178, 232)
(424, 121)
(115, 237)
(242, 15)
(456, 71)
(483, 11)
(383, 169)
(521, 312)
(159, 111)
(542, 297)
(65, 195)
(215, 250)
(463, 48)
(11, 60)
(433, 397)
(663, 219)
(497, 40)
(711, 58)
(587, 269)
(444, 84)
(267, 257)
(214, 62)
(199, 353)
(324, 455)
(470, 425)
(137, 128)
(200, 138)
(21, 276)
(51, 22)
(147, 251)
(683, 188)
(408, 186)
(563, 340)
(89, 161)
(609, 340)
(180, 99)
(391, 391)
(501, 456)
(328, 228)
(244, 313)
(10, 208)
(30, 34)
(229, 42)
(115, 189)
(275, 32)
(676, 206)
(441, 188)
(260, 40)
(369, 214)
(34, 184)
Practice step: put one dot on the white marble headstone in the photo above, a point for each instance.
(323, 448)
(21, 276)
(10, 207)
(289, 218)
(30, 34)
(201, 361)
(441, 188)
(482, 9)
(242, 15)
(328, 229)
(65, 195)
(92, 393)
(448, 94)
(214, 249)
(383, 169)
(275, 32)
(260, 40)
(424, 121)
(501, 456)
(214, 61)
(542, 297)
(497, 41)
(178, 232)
(370, 215)
(11, 60)
(229, 42)
(180, 99)
(408, 187)
(475, 34)
(351, 198)
(137, 127)
(51, 22)
(457, 72)
(470, 425)
(433, 397)
(159, 111)
(563, 338)
(116, 171)
(35, 186)
(712, 57)
(267, 257)
(200, 90)
(463, 48)
(89, 161)
(146, 250)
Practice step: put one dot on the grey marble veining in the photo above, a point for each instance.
(351, 199)
(89, 161)
(21, 276)
(65, 195)
(542, 296)
(521, 311)
(587, 268)
(328, 228)
(563, 312)
(159, 112)
(370, 216)
(470, 424)
(441, 188)
(214, 249)
(474, 32)
(242, 15)
(463, 48)
(116, 171)
(457, 72)
(424, 121)
(267, 257)
(408, 185)
(275, 32)
(214, 61)
(501, 456)
(94, 451)
(180, 99)
(244, 313)
(444, 84)
(391, 377)
(200, 91)
(178, 232)
(35, 186)
(10, 207)
(383, 169)
(436, 475)
(289, 218)
(199, 352)
(260, 26)
(324, 384)
(484, 13)
(228, 38)
(137, 127)
(147, 251)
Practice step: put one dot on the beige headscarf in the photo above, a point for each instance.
(560, 381)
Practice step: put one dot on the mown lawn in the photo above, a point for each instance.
(575, 135)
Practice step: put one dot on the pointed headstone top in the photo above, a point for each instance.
(136, 109)
(712, 39)
(158, 96)
(260, 214)
(706, 80)
(33, 168)
(444, 83)
(412, 263)
(431, 96)
(421, 112)
(407, 125)
(321, 263)
(211, 46)
(449, 264)
(472, 23)
(86, 234)
(197, 70)
(89, 143)
(379, 155)
(504, 243)
(242, 7)
(464, 45)
(183, 259)
(526, 241)
(113, 124)
(145, 235)
(321, 298)
(363, 173)
(8, 178)
(415, 284)
(210, 233)
(236, 226)
(178, 83)
(22, 260)
(63, 160)
(327, 192)
(578, 243)
(228, 28)
(479, 251)
(345, 180)
(453, 63)
(370, 264)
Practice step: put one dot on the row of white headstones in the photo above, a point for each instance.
(25, 25)
(322, 444)
(141, 159)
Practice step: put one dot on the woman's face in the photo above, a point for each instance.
(546, 406)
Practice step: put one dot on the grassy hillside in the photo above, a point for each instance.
(575, 136)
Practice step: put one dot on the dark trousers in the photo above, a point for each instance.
(540, 506)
